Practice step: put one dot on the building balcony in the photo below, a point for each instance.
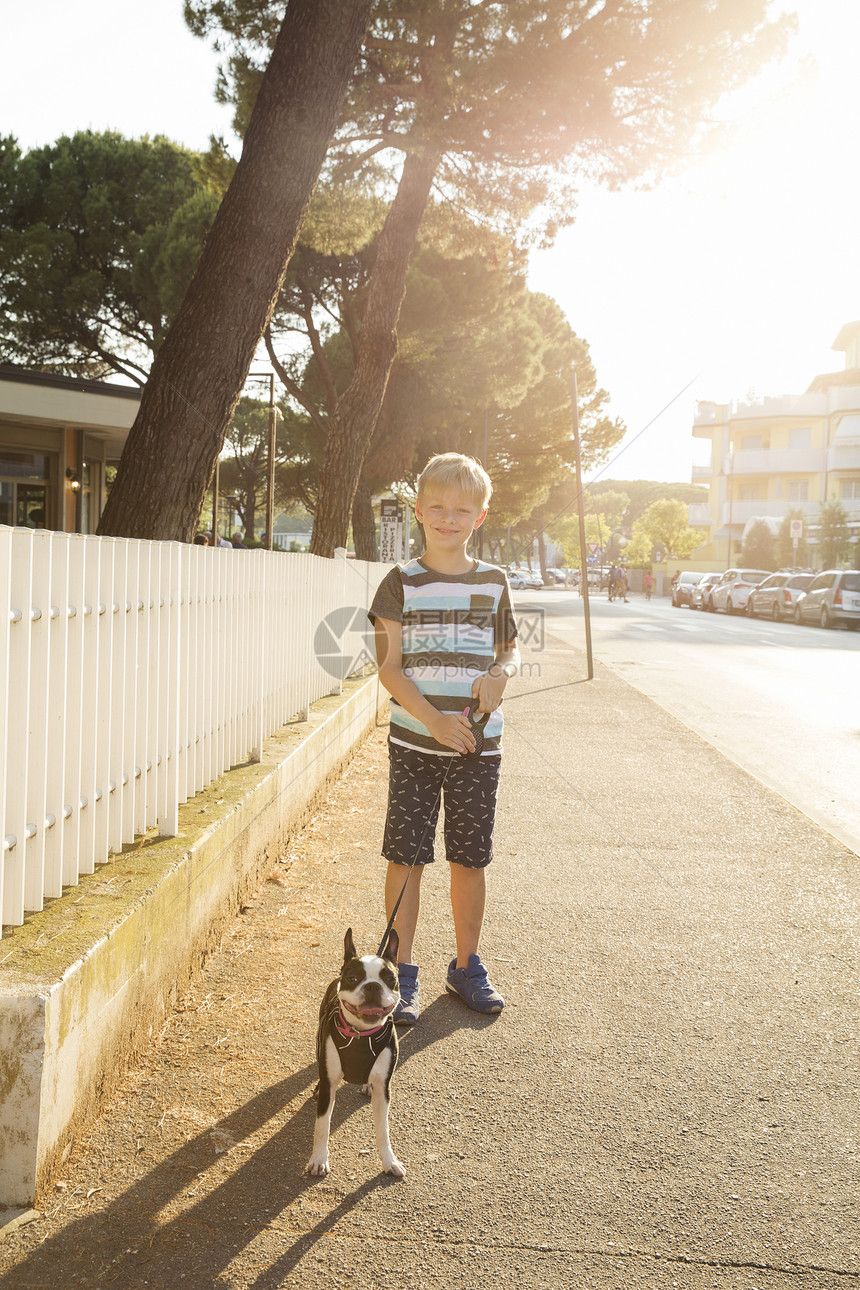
(813, 404)
(703, 472)
(778, 461)
(705, 414)
(844, 398)
(844, 456)
(739, 512)
(699, 515)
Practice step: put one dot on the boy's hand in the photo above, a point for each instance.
(488, 691)
(453, 730)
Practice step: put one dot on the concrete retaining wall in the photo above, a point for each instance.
(87, 982)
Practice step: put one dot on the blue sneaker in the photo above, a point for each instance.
(473, 986)
(406, 1012)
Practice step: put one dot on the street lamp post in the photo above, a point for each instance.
(580, 506)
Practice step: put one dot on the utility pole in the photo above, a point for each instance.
(484, 463)
(580, 506)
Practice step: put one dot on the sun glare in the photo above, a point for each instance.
(740, 271)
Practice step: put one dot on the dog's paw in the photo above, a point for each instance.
(318, 1167)
(366, 1090)
(394, 1167)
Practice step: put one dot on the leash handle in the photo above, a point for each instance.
(477, 721)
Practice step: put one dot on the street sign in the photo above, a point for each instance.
(594, 548)
(390, 530)
(796, 528)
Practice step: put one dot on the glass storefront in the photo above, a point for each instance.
(26, 494)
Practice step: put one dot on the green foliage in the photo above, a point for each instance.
(639, 550)
(603, 520)
(664, 523)
(213, 169)
(475, 347)
(834, 535)
(506, 106)
(244, 468)
(613, 506)
(642, 492)
(785, 552)
(520, 99)
(759, 547)
(99, 237)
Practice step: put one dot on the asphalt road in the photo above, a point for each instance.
(782, 701)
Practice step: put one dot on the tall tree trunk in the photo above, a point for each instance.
(200, 369)
(363, 522)
(351, 427)
(541, 541)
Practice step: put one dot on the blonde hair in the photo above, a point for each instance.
(454, 470)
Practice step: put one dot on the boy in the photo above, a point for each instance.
(445, 642)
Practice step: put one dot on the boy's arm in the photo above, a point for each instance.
(490, 686)
(450, 729)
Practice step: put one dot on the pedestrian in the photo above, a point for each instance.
(445, 644)
(649, 584)
(203, 539)
(613, 581)
(236, 540)
(622, 582)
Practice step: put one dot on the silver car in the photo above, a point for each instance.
(682, 587)
(776, 597)
(702, 590)
(731, 592)
(833, 597)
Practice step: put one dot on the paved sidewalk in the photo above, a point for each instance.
(670, 1097)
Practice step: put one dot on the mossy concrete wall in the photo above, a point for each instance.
(86, 982)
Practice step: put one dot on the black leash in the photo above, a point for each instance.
(477, 721)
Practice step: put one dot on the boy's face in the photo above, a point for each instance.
(449, 516)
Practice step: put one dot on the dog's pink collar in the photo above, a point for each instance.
(349, 1032)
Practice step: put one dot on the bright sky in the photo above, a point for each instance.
(734, 277)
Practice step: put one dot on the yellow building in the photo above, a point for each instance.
(781, 454)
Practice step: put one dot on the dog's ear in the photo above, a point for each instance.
(392, 947)
(349, 951)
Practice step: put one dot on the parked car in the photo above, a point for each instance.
(520, 579)
(731, 592)
(700, 593)
(776, 597)
(832, 597)
(682, 587)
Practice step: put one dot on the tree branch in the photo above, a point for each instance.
(292, 388)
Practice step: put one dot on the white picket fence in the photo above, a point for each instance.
(135, 673)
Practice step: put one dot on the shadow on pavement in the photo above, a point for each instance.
(127, 1245)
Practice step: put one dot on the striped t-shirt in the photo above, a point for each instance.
(452, 626)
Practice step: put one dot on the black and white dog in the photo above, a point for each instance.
(357, 1042)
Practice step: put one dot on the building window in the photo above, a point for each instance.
(800, 437)
(849, 490)
(798, 490)
(25, 489)
(751, 443)
(748, 492)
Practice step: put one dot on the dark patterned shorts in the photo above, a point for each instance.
(417, 783)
